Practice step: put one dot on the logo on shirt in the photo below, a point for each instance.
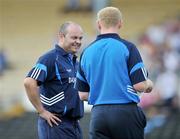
(72, 79)
(68, 70)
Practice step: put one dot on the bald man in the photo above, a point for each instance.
(50, 87)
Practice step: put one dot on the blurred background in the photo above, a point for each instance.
(28, 28)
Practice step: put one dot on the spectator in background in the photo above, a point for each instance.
(167, 80)
(75, 5)
(111, 73)
(99, 4)
(173, 34)
(3, 61)
(72, 5)
(92, 5)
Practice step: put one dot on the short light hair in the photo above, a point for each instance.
(110, 16)
(63, 27)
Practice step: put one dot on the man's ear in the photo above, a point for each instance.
(98, 25)
(120, 24)
(61, 36)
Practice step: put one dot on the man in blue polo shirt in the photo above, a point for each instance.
(50, 87)
(110, 75)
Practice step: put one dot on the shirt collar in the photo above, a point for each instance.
(108, 35)
(62, 51)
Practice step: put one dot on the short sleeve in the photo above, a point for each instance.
(137, 71)
(81, 82)
(40, 71)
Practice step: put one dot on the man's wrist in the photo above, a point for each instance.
(39, 111)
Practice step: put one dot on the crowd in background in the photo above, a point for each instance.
(160, 48)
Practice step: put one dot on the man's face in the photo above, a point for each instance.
(72, 40)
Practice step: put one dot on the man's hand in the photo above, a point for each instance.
(145, 86)
(83, 95)
(50, 117)
(149, 86)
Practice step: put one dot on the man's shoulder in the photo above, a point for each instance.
(128, 43)
(49, 54)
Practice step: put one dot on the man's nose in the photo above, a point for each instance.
(78, 40)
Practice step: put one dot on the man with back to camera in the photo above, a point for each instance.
(110, 75)
(50, 87)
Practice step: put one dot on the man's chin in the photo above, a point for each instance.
(74, 52)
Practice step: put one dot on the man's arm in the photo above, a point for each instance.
(83, 95)
(33, 94)
(145, 86)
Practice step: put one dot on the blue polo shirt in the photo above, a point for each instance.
(108, 69)
(55, 72)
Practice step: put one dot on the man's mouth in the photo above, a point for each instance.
(76, 46)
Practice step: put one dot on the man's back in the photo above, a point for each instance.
(110, 71)
(106, 68)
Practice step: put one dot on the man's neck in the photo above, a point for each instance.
(110, 30)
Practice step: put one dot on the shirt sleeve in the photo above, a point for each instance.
(137, 71)
(81, 82)
(40, 70)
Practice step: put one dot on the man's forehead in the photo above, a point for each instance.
(75, 32)
(74, 27)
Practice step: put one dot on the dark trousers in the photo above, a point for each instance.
(126, 121)
(67, 129)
